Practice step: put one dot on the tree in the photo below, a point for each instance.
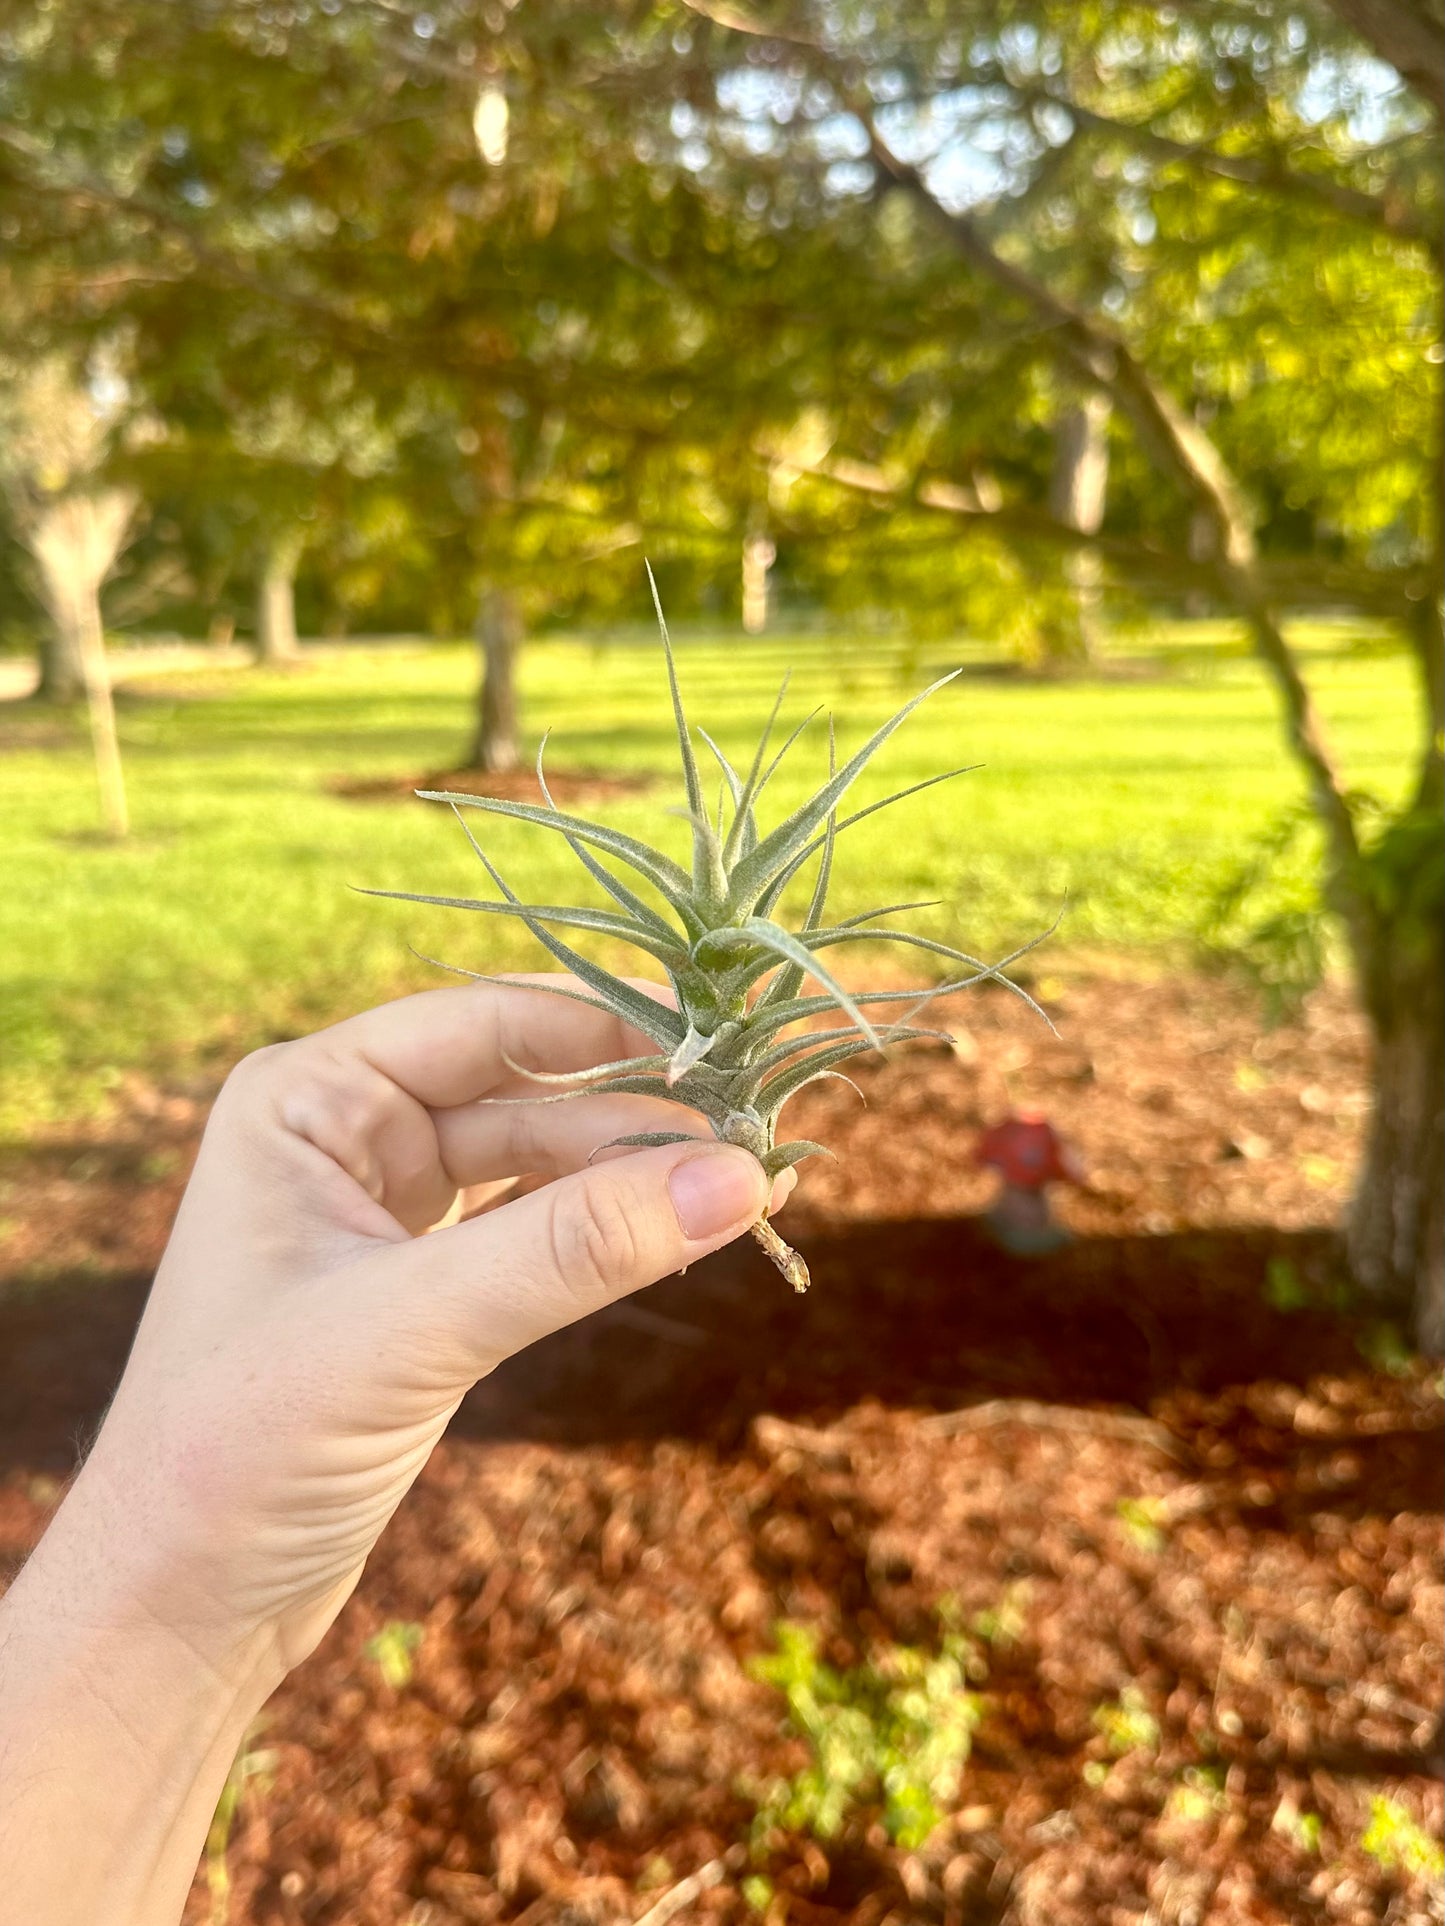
(1238, 168)
(276, 597)
(1077, 491)
(55, 431)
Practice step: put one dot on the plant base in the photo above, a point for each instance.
(783, 1255)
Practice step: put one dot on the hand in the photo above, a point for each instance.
(304, 1345)
(301, 1352)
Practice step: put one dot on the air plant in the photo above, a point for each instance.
(730, 1048)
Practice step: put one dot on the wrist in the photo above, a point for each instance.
(121, 1563)
(119, 1726)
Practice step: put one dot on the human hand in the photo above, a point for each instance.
(302, 1349)
(304, 1345)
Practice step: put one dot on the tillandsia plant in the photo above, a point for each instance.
(730, 1048)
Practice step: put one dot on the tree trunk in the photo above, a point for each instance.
(74, 542)
(499, 634)
(276, 599)
(104, 737)
(62, 660)
(1396, 1232)
(759, 554)
(1077, 491)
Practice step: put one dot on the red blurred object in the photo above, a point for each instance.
(1029, 1152)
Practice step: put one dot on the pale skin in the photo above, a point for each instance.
(306, 1340)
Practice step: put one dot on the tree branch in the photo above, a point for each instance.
(1408, 35)
(89, 191)
(1393, 596)
(962, 501)
(1389, 213)
(1184, 454)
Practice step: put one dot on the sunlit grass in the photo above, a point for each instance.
(227, 919)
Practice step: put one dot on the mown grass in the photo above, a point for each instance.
(228, 919)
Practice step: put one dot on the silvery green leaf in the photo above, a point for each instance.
(655, 1020)
(764, 1019)
(743, 836)
(602, 922)
(783, 1156)
(758, 933)
(659, 870)
(730, 775)
(788, 980)
(889, 909)
(794, 1047)
(647, 1140)
(640, 1086)
(710, 881)
(777, 761)
(707, 872)
(991, 972)
(756, 871)
(505, 981)
(614, 886)
(787, 874)
(776, 1091)
(594, 1072)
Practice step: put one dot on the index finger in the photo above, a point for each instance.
(451, 1046)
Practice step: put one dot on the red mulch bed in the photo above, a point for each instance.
(618, 1517)
(512, 785)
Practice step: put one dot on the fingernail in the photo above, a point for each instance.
(715, 1191)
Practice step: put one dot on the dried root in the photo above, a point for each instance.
(783, 1255)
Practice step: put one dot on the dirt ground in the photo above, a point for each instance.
(1192, 1485)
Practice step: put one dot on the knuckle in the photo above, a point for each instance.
(256, 1072)
(342, 1107)
(597, 1240)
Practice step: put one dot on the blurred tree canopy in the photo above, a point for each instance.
(983, 312)
(473, 290)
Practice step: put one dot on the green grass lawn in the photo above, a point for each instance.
(228, 919)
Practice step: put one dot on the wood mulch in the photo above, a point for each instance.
(567, 786)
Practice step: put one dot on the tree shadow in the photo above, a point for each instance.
(924, 1314)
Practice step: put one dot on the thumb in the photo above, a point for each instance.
(497, 1284)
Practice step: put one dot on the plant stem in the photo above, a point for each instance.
(783, 1255)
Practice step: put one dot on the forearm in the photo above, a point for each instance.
(116, 1733)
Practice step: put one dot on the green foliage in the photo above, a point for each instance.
(892, 1735)
(1284, 1288)
(1001, 1625)
(1145, 1522)
(1287, 946)
(1383, 1344)
(252, 1763)
(1282, 946)
(1404, 869)
(456, 358)
(1304, 1829)
(1287, 1290)
(1198, 1797)
(757, 1891)
(393, 1651)
(1126, 1724)
(1397, 1840)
